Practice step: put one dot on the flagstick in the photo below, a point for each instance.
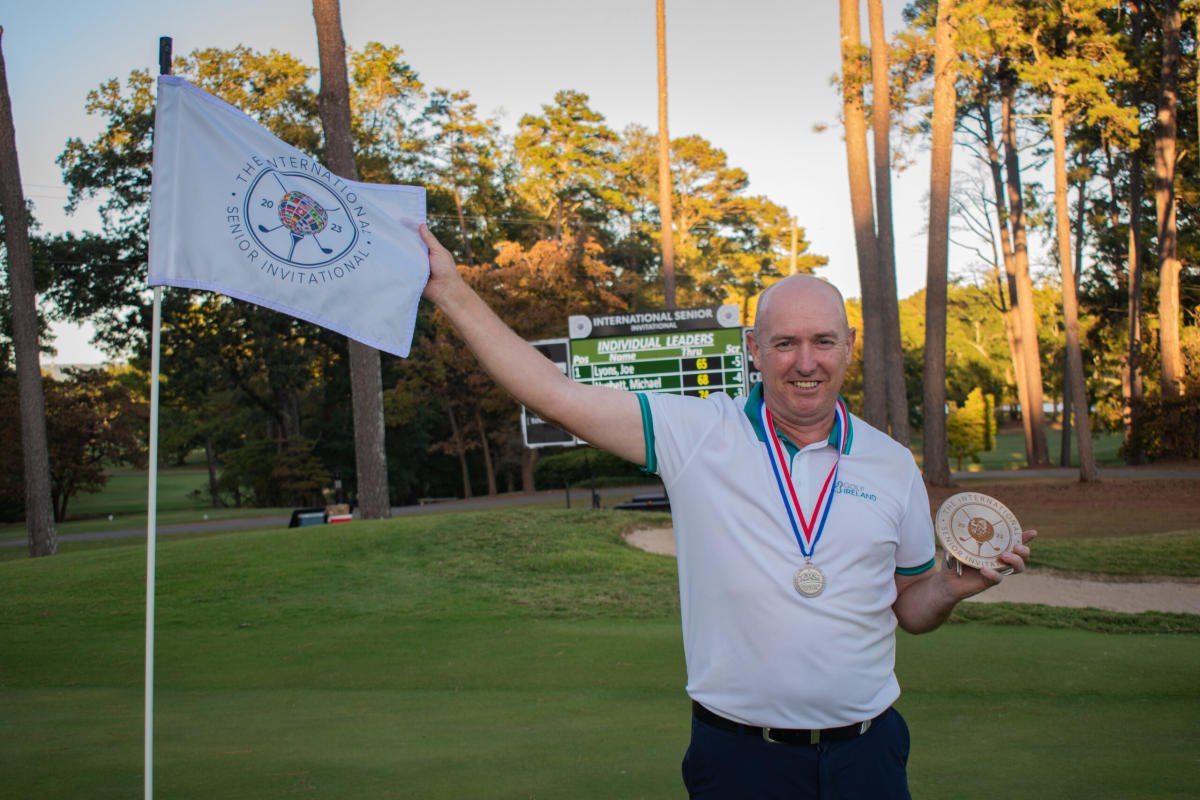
(164, 68)
(152, 544)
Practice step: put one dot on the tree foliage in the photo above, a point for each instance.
(1104, 63)
(94, 421)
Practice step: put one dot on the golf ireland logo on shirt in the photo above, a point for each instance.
(855, 490)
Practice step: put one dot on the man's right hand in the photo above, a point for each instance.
(443, 272)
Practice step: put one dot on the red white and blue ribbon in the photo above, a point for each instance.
(807, 531)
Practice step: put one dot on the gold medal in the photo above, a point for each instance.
(809, 581)
(975, 529)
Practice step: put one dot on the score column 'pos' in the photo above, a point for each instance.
(975, 529)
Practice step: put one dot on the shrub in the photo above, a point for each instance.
(580, 465)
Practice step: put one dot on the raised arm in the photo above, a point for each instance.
(607, 418)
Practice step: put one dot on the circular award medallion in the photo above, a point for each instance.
(809, 581)
(975, 529)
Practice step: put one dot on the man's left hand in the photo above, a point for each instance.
(972, 581)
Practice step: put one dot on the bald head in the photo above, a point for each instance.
(802, 346)
(798, 291)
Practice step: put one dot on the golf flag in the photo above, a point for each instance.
(235, 210)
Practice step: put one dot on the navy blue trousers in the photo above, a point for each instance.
(729, 765)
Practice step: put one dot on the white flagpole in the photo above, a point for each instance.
(164, 68)
(152, 545)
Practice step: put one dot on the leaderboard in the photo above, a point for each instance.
(693, 351)
(694, 363)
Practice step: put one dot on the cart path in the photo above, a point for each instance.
(1180, 596)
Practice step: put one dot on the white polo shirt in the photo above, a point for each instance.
(758, 651)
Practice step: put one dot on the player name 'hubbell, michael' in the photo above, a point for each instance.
(633, 384)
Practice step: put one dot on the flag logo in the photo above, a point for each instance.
(297, 219)
(235, 210)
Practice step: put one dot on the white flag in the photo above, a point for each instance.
(235, 210)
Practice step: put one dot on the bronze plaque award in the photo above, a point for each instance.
(975, 529)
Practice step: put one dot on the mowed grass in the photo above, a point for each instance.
(126, 492)
(515, 654)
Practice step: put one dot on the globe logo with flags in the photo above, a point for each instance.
(301, 215)
(299, 220)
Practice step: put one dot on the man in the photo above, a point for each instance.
(803, 537)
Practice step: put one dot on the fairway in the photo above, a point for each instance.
(513, 654)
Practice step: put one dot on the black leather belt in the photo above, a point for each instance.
(783, 735)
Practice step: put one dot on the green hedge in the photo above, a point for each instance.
(582, 465)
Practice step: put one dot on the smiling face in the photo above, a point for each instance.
(802, 345)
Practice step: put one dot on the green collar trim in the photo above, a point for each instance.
(751, 410)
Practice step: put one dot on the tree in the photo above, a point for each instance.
(881, 123)
(978, 123)
(1074, 389)
(937, 467)
(664, 165)
(531, 288)
(751, 256)
(723, 239)
(1024, 285)
(969, 428)
(1169, 265)
(566, 155)
(237, 376)
(460, 152)
(862, 209)
(385, 94)
(1073, 53)
(39, 521)
(93, 421)
(365, 379)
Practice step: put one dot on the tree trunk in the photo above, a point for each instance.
(937, 465)
(665, 203)
(1134, 454)
(1064, 450)
(1078, 392)
(1008, 288)
(861, 207)
(1169, 265)
(1064, 441)
(462, 227)
(529, 459)
(460, 449)
(366, 383)
(488, 467)
(1026, 314)
(1131, 373)
(59, 500)
(210, 461)
(881, 122)
(39, 508)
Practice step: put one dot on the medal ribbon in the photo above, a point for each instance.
(801, 527)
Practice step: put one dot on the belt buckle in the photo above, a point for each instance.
(814, 737)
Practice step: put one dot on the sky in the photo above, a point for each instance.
(753, 77)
